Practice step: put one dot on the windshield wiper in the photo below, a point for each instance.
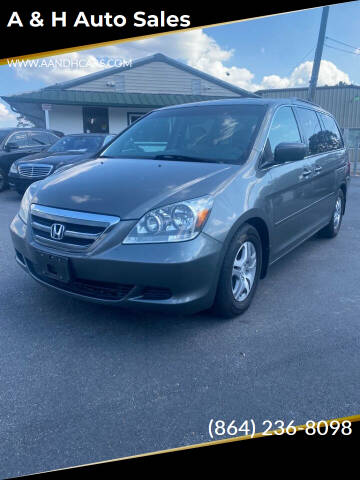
(183, 158)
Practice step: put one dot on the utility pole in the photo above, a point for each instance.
(318, 54)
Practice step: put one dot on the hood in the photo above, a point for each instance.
(56, 159)
(128, 188)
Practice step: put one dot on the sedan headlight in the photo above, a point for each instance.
(14, 168)
(173, 223)
(26, 202)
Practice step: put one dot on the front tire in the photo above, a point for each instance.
(333, 227)
(240, 273)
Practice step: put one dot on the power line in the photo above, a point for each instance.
(299, 63)
(342, 50)
(342, 43)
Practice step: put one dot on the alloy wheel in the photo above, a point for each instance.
(243, 271)
(337, 213)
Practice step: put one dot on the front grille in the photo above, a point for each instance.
(34, 170)
(111, 291)
(89, 288)
(78, 231)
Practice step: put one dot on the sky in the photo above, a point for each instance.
(272, 52)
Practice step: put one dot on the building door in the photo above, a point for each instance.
(95, 120)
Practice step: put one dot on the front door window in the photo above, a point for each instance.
(283, 129)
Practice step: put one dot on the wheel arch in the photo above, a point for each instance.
(343, 187)
(256, 220)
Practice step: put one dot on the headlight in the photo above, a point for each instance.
(25, 203)
(14, 168)
(173, 223)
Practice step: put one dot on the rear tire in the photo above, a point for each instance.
(240, 273)
(333, 227)
(3, 180)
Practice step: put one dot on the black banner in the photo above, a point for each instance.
(235, 456)
(33, 30)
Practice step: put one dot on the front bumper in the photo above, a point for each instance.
(172, 277)
(19, 183)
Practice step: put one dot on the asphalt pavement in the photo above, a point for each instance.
(80, 382)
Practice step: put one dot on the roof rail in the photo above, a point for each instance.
(306, 101)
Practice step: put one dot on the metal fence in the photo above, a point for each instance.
(354, 155)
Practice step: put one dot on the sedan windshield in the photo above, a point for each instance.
(78, 143)
(212, 133)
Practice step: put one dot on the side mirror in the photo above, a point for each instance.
(11, 146)
(289, 152)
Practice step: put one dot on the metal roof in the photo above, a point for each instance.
(294, 90)
(115, 99)
(151, 100)
(59, 93)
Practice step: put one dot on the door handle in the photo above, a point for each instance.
(306, 172)
(318, 169)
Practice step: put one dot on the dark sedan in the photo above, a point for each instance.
(68, 150)
(16, 143)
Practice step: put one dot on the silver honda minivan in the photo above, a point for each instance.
(187, 208)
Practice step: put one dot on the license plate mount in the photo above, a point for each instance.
(55, 267)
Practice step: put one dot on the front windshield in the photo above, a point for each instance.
(77, 143)
(221, 133)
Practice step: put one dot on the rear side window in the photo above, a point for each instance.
(332, 136)
(283, 129)
(52, 138)
(312, 130)
(39, 139)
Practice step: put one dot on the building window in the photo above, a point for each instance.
(196, 87)
(95, 120)
(132, 117)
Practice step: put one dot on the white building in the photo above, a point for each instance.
(108, 101)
